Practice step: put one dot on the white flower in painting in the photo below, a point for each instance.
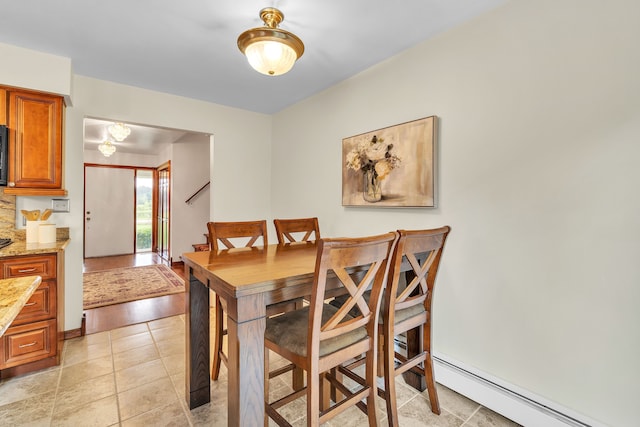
(382, 168)
(353, 160)
(374, 155)
(377, 150)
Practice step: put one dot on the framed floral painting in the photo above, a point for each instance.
(391, 167)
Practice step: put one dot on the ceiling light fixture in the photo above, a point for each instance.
(119, 131)
(268, 49)
(107, 148)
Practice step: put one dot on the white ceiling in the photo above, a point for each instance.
(189, 47)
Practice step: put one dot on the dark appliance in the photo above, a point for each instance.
(4, 154)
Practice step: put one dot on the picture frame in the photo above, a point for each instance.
(391, 167)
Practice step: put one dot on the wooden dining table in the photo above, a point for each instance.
(249, 279)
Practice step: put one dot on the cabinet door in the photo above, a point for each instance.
(28, 343)
(41, 305)
(35, 140)
(21, 266)
(3, 107)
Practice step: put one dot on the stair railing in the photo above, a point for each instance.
(197, 193)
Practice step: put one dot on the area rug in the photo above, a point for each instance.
(129, 284)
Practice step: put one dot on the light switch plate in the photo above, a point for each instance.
(60, 205)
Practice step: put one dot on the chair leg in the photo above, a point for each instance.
(336, 395)
(325, 392)
(371, 368)
(431, 385)
(217, 342)
(428, 369)
(390, 380)
(313, 399)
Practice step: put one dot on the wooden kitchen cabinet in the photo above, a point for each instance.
(35, 338)
(35, 122)
(3, 106)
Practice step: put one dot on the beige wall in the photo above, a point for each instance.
(239, 189)
(539, 112)
(189, 172)
(25, 68)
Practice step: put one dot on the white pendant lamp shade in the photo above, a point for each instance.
(269, 49)
(270, 58)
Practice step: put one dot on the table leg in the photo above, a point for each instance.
(198, 388)
(414, 346)
(245, 332)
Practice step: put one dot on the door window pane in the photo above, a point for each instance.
(144, 209)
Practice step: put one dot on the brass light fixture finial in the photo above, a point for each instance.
(269, 49)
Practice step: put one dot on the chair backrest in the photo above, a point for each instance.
(336, 260)
(221, 232)
(422, 250)
(297, 230)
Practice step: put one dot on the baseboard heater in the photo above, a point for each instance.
(503, 400)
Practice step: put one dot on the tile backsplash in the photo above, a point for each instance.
(8, 227)
(7, 215)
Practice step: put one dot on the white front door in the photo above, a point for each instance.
(109, 220)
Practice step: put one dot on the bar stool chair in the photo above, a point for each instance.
(291, 230)
(320, 337)
(220, 234)
(408, 307)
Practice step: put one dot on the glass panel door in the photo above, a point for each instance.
(164, 209)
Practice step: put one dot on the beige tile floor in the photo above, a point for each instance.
(134, 376)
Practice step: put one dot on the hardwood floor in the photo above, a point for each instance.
(129, 313)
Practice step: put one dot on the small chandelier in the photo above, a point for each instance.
(119, 131)
(107, 148)
(268, 49)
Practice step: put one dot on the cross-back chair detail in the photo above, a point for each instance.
(290, 230)
(220, 233)
(320, 337)
(411, 308)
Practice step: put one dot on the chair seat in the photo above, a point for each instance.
(291, 331)
(407, 313)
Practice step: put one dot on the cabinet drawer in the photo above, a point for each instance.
(28, 343)
(43, 266)
(41, 305)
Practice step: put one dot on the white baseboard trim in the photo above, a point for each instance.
(506, 399)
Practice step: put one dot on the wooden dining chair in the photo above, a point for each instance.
(226, 235)
(320, 337)
(297, 230)
(407, 304)
(220, 234)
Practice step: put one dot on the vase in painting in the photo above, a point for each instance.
(371, 191)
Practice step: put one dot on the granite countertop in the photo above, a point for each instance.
(14, 294)
(20, 247)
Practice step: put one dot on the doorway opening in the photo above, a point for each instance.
(144, 210)
(119, 210)
(176, 162)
